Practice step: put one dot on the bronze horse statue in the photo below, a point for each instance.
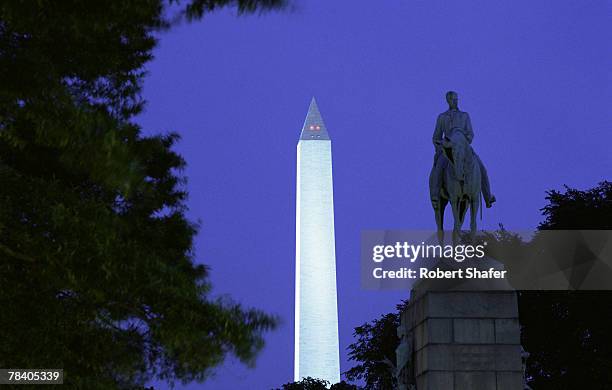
(461, 180)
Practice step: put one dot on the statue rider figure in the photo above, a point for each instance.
(448, 121)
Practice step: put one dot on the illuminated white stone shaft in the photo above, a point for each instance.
(316, 308)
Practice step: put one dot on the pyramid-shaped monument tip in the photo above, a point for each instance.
(314, 128)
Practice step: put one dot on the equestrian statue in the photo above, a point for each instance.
(458, 175)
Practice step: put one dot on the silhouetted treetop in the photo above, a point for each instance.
(576, 209)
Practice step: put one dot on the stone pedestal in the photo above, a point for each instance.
(462, 340)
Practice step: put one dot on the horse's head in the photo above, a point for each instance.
(456, 148)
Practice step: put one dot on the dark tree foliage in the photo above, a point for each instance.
(197, 8)
(316, 384)
(343, 386)
(374, 351)
(97, 270)
(569, 333)
(306, 384)
(575, 209)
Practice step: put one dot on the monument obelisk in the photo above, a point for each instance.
(316, 309)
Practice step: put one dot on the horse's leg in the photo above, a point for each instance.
(463, 205)
(456, 204)
(442, 207)
(476, 196)
(475, 202)
(439, 211)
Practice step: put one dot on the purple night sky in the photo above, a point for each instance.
(533, 75)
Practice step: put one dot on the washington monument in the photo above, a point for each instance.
(316, 308)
